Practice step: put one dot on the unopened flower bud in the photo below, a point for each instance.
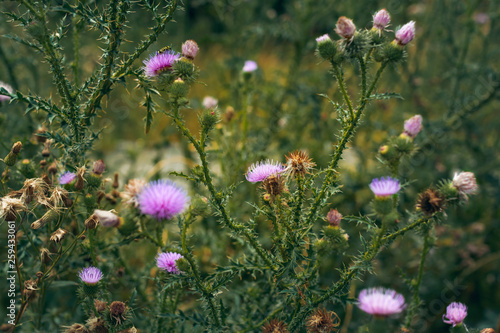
(190, 49)
(406, 33)
(108, 218)
(52, 169)
(334, 217)
(58, 235)
(465, 183)
(43, 163)
(90, 201)
(381, 20)
(16, 147)
(326, 47)
(345, 28)
(209, 119)
(11, 157)
(413, 126)
(179, 88)
(99, 167)
(115, 184)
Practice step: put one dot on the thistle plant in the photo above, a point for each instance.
(249, 236)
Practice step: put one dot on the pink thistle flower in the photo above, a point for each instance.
(162, 199)
(381, 19)
(258, 172)
(385, 186)
(345, 28)
(209, 102)
(455, 314)
(465, 183)
(250, 66)
(167, 262)
(406, 33)
(381, 302)
(413, 126)
(9, 89)
(323, 39)
(90, 275)
(67, 178)
(108, 219)
(190, 49)
(160, 62)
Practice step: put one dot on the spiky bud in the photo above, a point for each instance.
(179, 88)
(190, 49)
(327, 49)
(27, 169)
(117, 311)
(405, 34)
(430, 202)
(99, 167)
(11, 157)
(381, 20)
(345, 28)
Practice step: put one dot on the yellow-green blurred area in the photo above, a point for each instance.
(450, 77)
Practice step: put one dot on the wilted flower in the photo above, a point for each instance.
(100, 306)
(58, 235)
(406, 33)
(108, 219)
(160, 62)
(413, 126)
(117, 310)
(385, 186)
(190, 49)
(275, 326)
(298, 163)
(9, 90)
(10, 207)
(430, 202)
(250, 66)
(209, 102)
(132, 190)
(321, 321)
(162, 199)
(455, 313)
(345, 28)
(167, 262)
(274, 184)
(90, 275)
(381, 20)
(465, 183)
(257, 172)
(381, 302)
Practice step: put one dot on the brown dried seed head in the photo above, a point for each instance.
(274, 185)
(58, 235)
(43, 163)
(52, 169)
(430, 202)
(115, 184)
(76, 328)
(275, 326)
(117, 311)
(100, 306)
(45, 256)
(97, 325)
(320, 321)
(30, 288)
(488, 330)
(46, 148)
(16, 147)
(99, 167)
(91, 222)
(298, 163)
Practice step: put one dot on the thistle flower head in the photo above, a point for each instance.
(58, 235)
(345, 28)
(99, 167)
(108, 219)
(274, 185)
(9, 89)
(323, 39)
(190, 49)
(250, 66)
(259, 171)
(334, 217)
(162, 199)
(406, 33)
(160, 62)
(430, 202)
(384, 186)
(413, 126)
(10, 208)
(118, 310)
(381, 19)
(132, 190)
(167, 262)
(321, 321)
(455, 314)
(209, 102)
(275, 326)
(298, 163)
(90, 275)
(465, 183)
(381, 302)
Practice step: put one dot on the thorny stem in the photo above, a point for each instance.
(300, 198)
(340, 80)
(260, 324)
(362, 66)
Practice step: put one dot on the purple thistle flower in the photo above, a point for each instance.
(381, 19)
(406, 33)
(413, 126)
(162, 199)
(67, 178)
(90, 275)
(209, 102)
(9, 90)
(167, 262)
(465, 183)
(250, 66)
(322, 39)
(381, 302)
(258, 172)
(159, 62)
(384, 186)
(345, 28)
(190, 49)
(455, 314)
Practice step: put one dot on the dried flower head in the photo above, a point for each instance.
(132, 190)
(80, 181)
(30, 288)
(257, 172)
(430, 202)
(91, 222)
(385, 186)
(45, 257)
(381, 302)
(275, 326)
(406, 33)
(381, 20)
(9, 89)
(190, 49)
(49, 216)
(10, 208)
(162, 199)
(60, 198)
(167, 262)
(76, 328)
(465, 183)
(345, 28)
(274, 184)
(100, 306)
(58, 235)
(99, 167)
(34, 189)
(97, 325)
(250, 66)
(321, 321)
(455, 314)
(209, 102)
(298, 163)
(413, 126)
(108, 219)
(117, 311)
(160, 62)
(90, 275)
(334, 217)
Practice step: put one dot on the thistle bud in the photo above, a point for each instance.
(27, 169)
(209, 119)
(413, 126)
(46, 148)
(115, 184)
(190, 49)
(58, 235)
(405, 34)
(100, 306)
(49, 216)
(11, 157)
(209, 102)
(465, 183)
(107, 218)
(185, 70)
(117, 311)
(334, 217)
(43, 163)
(326, 47)
(16, 147)
(90, 201)
(381, 20)
(403, 143)
(99, 167)
(179, 88)
(345, 28)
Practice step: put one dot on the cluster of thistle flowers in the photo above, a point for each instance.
(355, 43)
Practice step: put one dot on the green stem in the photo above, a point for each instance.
(300, 198)
(340, 80)
(92, 233)
(163, 306)
(362, 67)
